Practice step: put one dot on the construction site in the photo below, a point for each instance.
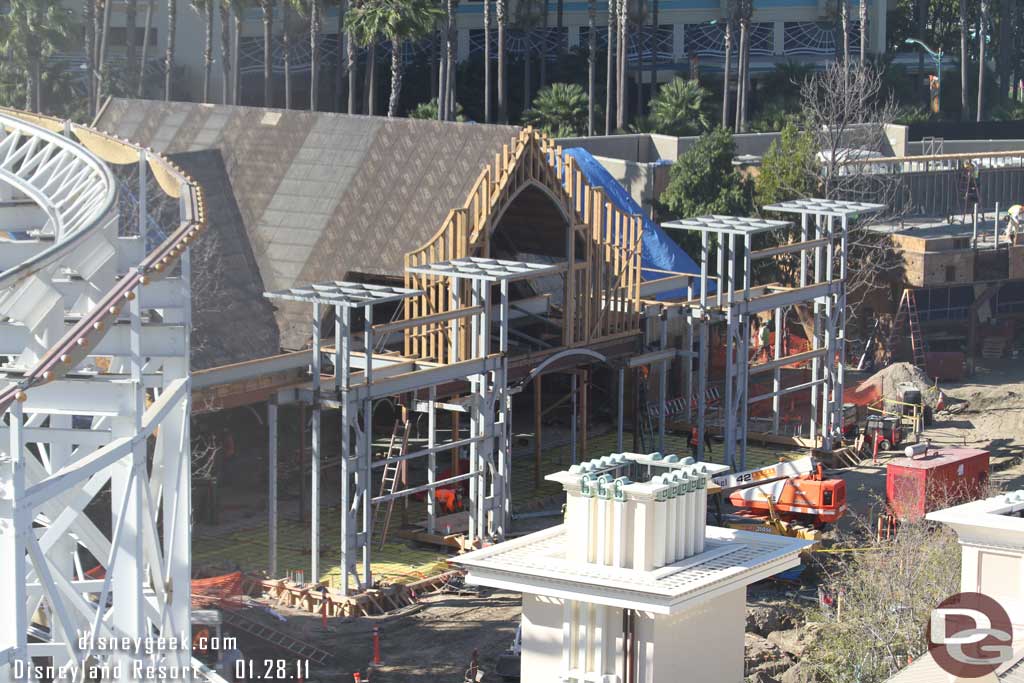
(356, 398)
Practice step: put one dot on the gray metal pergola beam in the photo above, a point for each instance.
(347, 294)
(487, 269)
(838, 208)
(732, 225)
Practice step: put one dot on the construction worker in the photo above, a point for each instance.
(1014, 215)
(766, 339)
(695, 442)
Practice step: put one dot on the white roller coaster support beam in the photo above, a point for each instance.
(94, 397)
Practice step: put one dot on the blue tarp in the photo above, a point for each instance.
(660, 252)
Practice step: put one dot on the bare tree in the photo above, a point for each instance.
(882, 595)
(847, 111)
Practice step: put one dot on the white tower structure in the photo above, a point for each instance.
(634, 587)
(94, 403)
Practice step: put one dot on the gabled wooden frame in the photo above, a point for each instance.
(602, 291)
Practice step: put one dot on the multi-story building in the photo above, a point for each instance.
(689, 33)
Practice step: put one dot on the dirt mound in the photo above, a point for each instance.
(888, 379)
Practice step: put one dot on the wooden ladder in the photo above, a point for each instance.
(392, 472)
(908, 309)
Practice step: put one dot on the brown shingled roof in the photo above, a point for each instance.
(322, 196)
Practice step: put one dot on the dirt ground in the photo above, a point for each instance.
(433, 643)
(992, 418)
(436, 642)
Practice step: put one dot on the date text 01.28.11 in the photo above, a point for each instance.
(271, 670)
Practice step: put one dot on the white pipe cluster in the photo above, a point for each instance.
(613, 521)
(616, 522)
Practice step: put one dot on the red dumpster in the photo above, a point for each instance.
(941, 478)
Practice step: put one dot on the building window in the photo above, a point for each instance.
(950, 273)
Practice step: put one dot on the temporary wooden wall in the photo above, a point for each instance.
(603, 284)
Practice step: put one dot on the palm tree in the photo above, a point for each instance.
(727, 66)
(131, 11)
(396, 21)
(487, 61)
(352, 68)
(501, 15)
(339, 67)
(982, 37)
(205, 10)
(559, 109)
(268, 50)
(744, 11)
(679, 109)
(33, 31)
(1007, 12)
(613, 22)
(89, 18)
(237, 8)
(620, 110)
(844, 24)
(450, 36)
(654, 50)
(312, 9)
(102, 33)
(314, 53)
(172, 25)
(965, 111)
(862, 11)
(428, 111)
(591, 62)
(442, 82)
(225, 51)
(286, 48)
(145, 48)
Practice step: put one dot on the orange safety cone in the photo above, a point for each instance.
(376, 644)
(356, 677)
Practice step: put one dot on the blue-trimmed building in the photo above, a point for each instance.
(689, 32)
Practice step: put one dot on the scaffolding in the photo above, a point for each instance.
(820, 248)
(359, 378)
(448, 347)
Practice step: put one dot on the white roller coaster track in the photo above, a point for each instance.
(94, 398)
